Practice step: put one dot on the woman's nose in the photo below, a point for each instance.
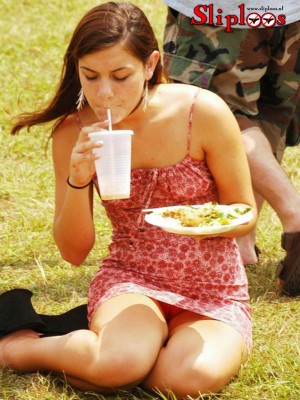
(105, 90)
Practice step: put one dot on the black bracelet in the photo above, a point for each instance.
(78, 187)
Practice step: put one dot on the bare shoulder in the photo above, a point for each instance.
(179, 92)
(209, 111)
(175, 98)
(63, 141)
(183, 95)
(65, 135)
(212, 115)
(209, 103)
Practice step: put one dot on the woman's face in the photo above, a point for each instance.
(112, 79)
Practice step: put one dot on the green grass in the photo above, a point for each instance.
(34, 34)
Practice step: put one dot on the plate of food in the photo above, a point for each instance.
(204, 219)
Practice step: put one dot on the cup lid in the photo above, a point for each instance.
(113, 132)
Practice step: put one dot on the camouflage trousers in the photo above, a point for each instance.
(256, 72)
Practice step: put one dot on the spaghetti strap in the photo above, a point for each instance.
(191, 121)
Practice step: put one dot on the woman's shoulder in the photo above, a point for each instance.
(206, 106)
(176, 90)
(70, 125)
(181, 93)
(65, 134)
(210, 113)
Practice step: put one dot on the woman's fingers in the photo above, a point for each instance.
(82, 166)
(86, 147)
(98, 126)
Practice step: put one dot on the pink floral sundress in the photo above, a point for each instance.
(206, 277)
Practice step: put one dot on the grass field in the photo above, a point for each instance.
(34, 34)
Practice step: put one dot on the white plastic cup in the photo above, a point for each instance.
(114, 165)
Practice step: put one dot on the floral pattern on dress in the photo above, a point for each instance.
(203, 276)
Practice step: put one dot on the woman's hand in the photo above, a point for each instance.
(82, 167)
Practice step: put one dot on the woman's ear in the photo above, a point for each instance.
(151, 64)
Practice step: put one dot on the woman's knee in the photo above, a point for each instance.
(186, 377)
(120, 367)
(194, 362)
(131, 332)
(200, 378)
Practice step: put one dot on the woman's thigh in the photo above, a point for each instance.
(130, 323)
(201, 356)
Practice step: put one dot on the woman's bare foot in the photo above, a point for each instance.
(9, 345)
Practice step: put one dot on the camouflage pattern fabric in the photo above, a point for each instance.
(256, 72)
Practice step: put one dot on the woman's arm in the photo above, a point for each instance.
(225, 155)
(73, 228)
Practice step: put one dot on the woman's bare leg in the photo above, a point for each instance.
(270, 183)
(127, 334)
(247, 243)
(201, 356)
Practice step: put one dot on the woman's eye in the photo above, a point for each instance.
(121, 78)
(90, 78)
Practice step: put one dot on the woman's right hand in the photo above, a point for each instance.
(82, 166)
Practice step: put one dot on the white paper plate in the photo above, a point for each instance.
(173, 225)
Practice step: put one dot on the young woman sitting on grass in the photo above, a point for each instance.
(167, 312)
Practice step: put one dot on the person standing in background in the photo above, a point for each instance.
(249, 55)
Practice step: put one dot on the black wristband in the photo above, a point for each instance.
(77, 187)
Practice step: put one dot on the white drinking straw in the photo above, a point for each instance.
(109, 119)
(112, 165)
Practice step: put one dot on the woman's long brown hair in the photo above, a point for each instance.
(103, 26)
